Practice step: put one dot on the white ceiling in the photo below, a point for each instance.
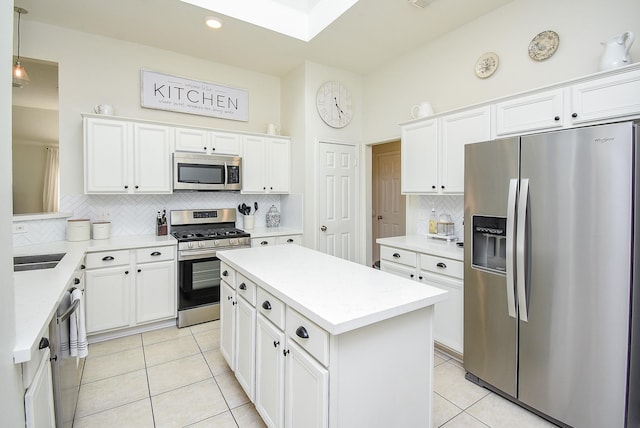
(367, 36)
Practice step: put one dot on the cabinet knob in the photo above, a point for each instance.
(574, 115)
(233, 303)
(301, 332)
(107, 258)
(139, 270)
(136, 186)
(264, 188)
(557, 118)
(205, 148)
(420, 277)
(126, 272)
(411, 275)
(442, 187)
(285, 352)
(271, 188)
(275, 344)
(441, 265)
(76, 281)
(396, 255)
(229, 297)
(225, 273)
(243, 286)
(213, 149)
(266, 305)
(83, 267)
(126, 187)
(433, 187)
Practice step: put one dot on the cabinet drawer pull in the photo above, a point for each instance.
(266, 305)
(243, 286)
(264, 243)
(441, 265)
(225, 273)
(156, 253)
(302, 332)
(557, 118)
(289, 241)
(107, 258)
(396, 255)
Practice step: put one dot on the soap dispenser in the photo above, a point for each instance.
(433, 223)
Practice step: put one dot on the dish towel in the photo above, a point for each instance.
(77, 328)
(63, 330)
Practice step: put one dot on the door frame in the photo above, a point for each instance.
(316, 215)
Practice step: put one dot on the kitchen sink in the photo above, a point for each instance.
(39, 261)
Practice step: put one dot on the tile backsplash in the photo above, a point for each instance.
(450, 204)
(136, 214)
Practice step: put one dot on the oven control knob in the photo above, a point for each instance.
(190, 244)
(233, 241)
(201, 244)
(216, 242)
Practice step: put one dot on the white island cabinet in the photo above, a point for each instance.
(327, 331)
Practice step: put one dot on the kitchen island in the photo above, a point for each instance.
(318, 341)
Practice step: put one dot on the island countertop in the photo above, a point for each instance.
(336, 294)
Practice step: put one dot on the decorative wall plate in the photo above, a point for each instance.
(486, 65)
(543, 45)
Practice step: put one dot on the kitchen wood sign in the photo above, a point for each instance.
(165, 92)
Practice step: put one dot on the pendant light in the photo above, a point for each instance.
(20, 76)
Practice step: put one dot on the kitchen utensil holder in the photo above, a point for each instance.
(161, 229)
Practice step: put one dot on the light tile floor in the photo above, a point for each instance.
(178, 378)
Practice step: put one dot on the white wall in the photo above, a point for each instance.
(11, 404)
(442, 72)
(96, 70)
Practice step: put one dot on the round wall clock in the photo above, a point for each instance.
(334, 104)
(543, 45)
(486, 65)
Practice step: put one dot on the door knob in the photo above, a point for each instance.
(379, 217)
(323, 228)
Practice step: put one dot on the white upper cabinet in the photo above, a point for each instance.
(433, 151)
(456, 130)
(533, 112)
(266, 165)
(125, 157)
(419, 157)
(200, 140)
(609, 97)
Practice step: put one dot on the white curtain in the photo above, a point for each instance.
(51, 192)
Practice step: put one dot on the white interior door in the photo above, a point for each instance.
(389, 206)
(337, 200)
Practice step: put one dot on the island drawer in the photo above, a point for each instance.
(442, 266)
(397, 255)
(155, 254)
(107, 259)
(228, 275)
(246, 288)
(271, 307)
(309, 335)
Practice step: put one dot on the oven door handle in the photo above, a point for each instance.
(205, 253)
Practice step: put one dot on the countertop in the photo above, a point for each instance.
(262, 232)
(336, 294)
(422, 244)
(38, 292)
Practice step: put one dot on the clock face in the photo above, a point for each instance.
(334, 104)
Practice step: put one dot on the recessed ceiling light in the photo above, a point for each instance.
(213, 22)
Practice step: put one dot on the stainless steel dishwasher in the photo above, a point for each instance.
(66, 370)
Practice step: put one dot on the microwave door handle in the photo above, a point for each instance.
(226, 173)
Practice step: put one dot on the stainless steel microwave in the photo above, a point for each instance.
(200, 172)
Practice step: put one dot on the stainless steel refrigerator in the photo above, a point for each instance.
(551, 286)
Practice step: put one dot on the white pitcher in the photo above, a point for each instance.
(421, 110)
(616, 51)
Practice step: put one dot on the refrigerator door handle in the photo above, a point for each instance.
(511, 217)
(520, 248)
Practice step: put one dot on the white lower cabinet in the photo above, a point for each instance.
(440, 272)
(228, 323)
(270, 345)
(306, 390)
(125, 288)
(38, 399)
(245, 346)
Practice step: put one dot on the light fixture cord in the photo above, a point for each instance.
(19, 16)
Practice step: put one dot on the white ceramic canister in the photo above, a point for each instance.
(102, 230)
(78, 229)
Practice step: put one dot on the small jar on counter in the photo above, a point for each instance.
(273, 217)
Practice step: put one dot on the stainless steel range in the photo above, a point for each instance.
(201, 234)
